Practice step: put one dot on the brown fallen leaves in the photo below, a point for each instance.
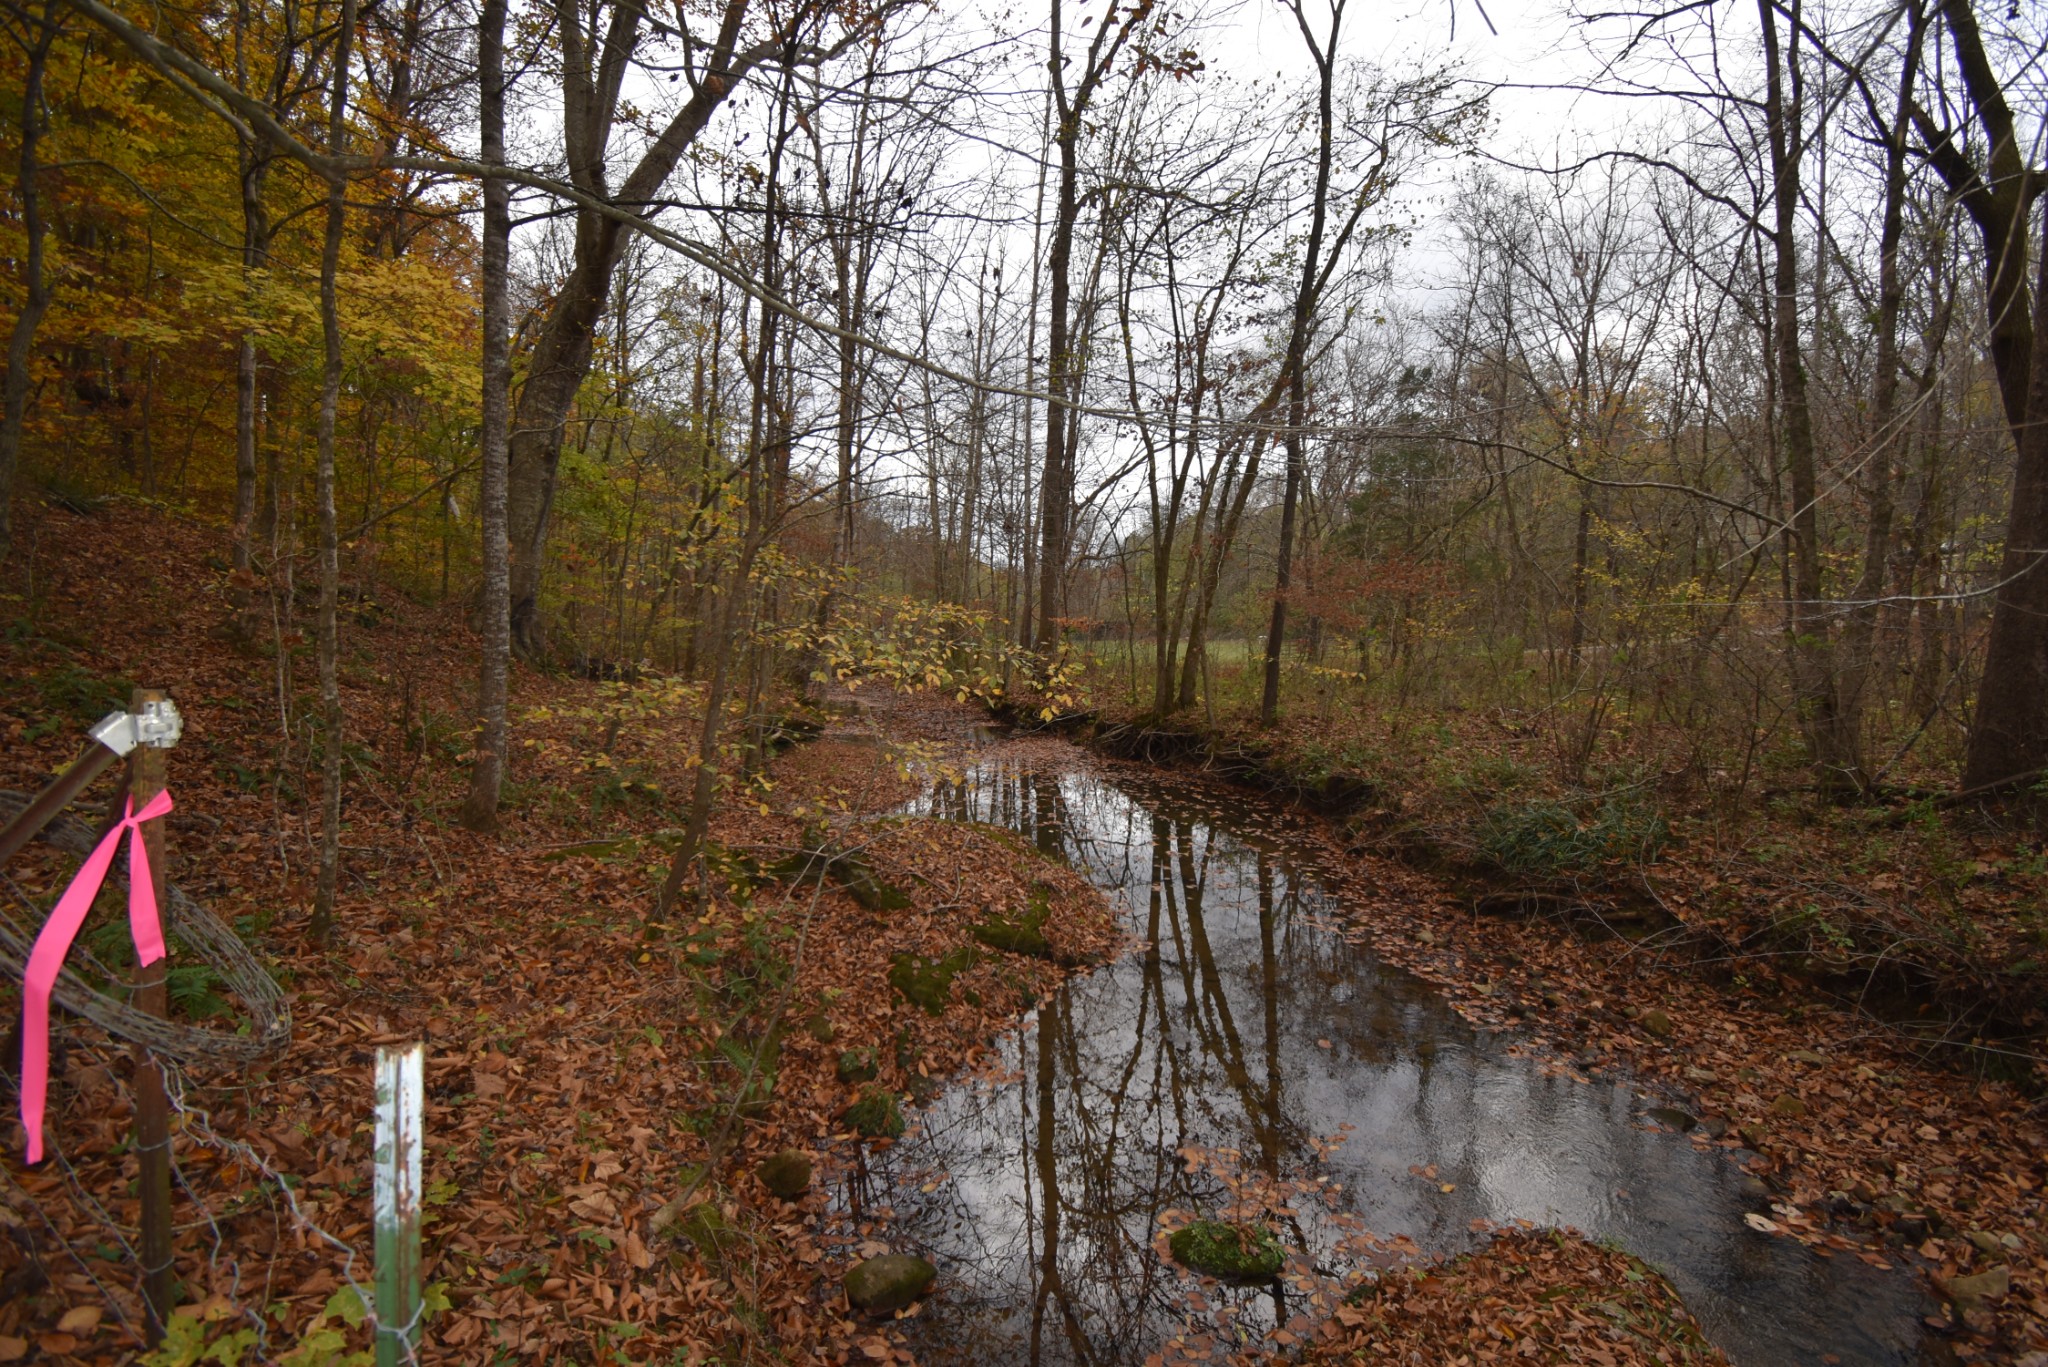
(582, 1072)
(1539, 1296)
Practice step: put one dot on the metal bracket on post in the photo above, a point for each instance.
(156, 725)
(159, 725)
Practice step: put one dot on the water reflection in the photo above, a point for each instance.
(1251, 1054)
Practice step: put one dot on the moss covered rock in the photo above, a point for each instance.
(875, 1115)
(889, 1283)
(1020, 932)
(819, 857)
(1226, 1249)
(867, 887)
(928, 983)
(858, 1065)
(786, 1175)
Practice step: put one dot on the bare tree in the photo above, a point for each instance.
(1116, 30)
(594, 66)
(487, 775)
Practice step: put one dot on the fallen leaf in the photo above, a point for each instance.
(79, 1319)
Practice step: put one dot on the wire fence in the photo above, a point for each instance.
(65, 1222)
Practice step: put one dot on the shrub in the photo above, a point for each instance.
(1546, 840)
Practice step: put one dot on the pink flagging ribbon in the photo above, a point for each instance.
(54, 942)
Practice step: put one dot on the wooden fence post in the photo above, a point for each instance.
(148, 767)
(401, 1116)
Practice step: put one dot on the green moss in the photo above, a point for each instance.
(889, 1283)
(1234, 1252)
(876, 1115)
(858, 1065)
(715, 1237)
(818, 857)
(928, 983)
(787, 1174)
(854, 874)
(1021, 932)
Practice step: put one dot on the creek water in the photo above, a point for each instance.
(1250, 1054)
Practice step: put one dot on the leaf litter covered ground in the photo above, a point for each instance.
(584, 1074)
(1535, 1296)
(582, 1071)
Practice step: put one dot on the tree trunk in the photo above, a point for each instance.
(253, 159)
(35, 283)
(1836, 764)
(2009, 736)
(1056, 481)
(591, 82)
(1305, 300)
(1859, 637)
(1582, 544)
(1063, 374)
(1283, 572)
(256, 233)
(331, 720)
(487, 777)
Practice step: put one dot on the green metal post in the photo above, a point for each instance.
(401, 1116)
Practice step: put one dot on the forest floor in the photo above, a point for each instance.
(603, 1093)
(1525, 1296)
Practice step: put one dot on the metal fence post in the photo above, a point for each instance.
(401, 1116)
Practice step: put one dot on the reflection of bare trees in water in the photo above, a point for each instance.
(1118, 1083)
(1216, 1073)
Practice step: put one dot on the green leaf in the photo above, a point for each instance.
(229, 1349)
(348, 1306)
(184, 1341)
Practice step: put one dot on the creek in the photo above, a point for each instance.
(1251, 1055)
